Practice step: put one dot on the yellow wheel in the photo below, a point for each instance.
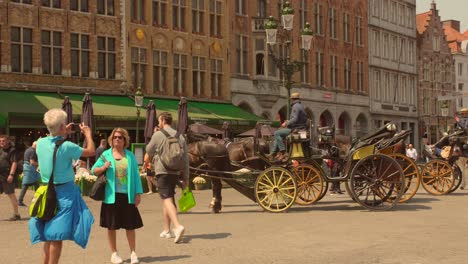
(275, 189)
(411, 174)
(437, 177)
(309, 184)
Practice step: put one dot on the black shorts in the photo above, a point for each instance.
(166, 185)
(7, 188)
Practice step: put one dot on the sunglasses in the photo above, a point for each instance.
(118, 137)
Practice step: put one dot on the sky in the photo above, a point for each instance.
(448, 9)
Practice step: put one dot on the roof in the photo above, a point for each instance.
(422, 20)
(454, 38)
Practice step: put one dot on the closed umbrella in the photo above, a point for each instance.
(204, 129)
(67, 107)
(265, 130)
(87, 115)
(227, 131)
(151, 121)
(182, 121)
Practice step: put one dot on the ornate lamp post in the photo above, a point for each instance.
(138, 104)
(285, 65)
(444, 109)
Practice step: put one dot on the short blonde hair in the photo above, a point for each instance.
(123, 132)
(54, 119)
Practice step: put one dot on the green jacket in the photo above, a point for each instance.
(134, 181)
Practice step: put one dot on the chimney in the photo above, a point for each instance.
(455, 24)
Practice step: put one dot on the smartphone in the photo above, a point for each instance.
(76, 127)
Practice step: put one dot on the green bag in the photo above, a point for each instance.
(38, 203)
(186, 201)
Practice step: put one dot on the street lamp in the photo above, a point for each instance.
(285, 65)
(444, 109)
(138, 104)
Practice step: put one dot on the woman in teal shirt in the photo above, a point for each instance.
(122, 194)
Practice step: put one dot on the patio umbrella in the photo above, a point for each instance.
(151, 121)
(204, 129)
(265, 130)
(182, 119)
(87, 115)
(67, 107)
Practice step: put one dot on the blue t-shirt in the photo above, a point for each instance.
(67, 152)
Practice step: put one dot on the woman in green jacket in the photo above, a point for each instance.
(123, 190)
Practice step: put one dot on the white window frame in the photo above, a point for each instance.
(160, 69)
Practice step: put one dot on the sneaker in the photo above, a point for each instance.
(134, 258)
(178, 233)
(116, 259)
(15, 217)
(21, 204)
(149, 193)
(166, 234)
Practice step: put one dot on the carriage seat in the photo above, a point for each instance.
(300, 135)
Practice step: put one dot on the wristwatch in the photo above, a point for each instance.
(11, 174)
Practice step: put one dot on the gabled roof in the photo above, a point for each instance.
(422, 20)
(454, 37)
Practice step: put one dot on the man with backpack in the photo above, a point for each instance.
(168, 151)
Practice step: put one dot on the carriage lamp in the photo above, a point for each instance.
(138, 104)
(307, 36)
(271, 29)
(287, 16)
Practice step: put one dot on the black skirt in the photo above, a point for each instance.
(121, 214)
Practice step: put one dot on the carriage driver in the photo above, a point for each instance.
(298, 121)
(462, 118)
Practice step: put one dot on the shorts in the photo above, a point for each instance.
(7, 188)
(166, 185)
(150, 172)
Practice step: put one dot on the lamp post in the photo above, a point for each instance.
(444, 111)
(138, 105)
(285, 65)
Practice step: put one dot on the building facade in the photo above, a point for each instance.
(334, 81)
(458, 43)
(436, 75)
(392, 64)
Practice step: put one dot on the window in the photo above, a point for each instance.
(215, 18)
(159, 71)
(375, 8)
(51, 52)
(198, 75)
(411, 52)
(279, 4)
(403, 91)
(80, 51)
(460, 69)
(23, 1)
(376, 43)
(303, 14)
(139, 61)
(333, 21)
(240, 7)
(385, 46)
(347, 74)
(305, 67)
(360, 76)
(261, 8)
(318, 19)
(159, 13)
(401, 14)
(21, 49)
(460, 87)
(178, 14)
(319, 68)
(377, 85)
(412, 90)
(385, 9)
(394, 48)
(393, 12)
(346, 27)
(334, 71)
(216, 77)
(180, 73)
(198, 11)
(106, 57)
(105, 7)
(79, 5)
(241, 54)
(51, 3)
(403, 51)
(436, 43)
(386, 87)
(426, 75)
(137, 11)
(359, 31)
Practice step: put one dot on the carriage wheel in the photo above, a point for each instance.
(457, 174)
(411, 173)
(309, 184)
(437, 177)
(374, 180)
(275, 189)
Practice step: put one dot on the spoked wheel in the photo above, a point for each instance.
(457, 174)
(275, 189)
(437, 177)
(309, 184)
(377, 182)
(411, 173)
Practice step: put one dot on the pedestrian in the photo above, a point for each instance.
(101, 148)
(8, 166)
(119, 209)
(167, 180)
(31, 176)
(411, 152)
(73, 219)
(147, 167)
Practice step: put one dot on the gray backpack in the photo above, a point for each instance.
(171, 153)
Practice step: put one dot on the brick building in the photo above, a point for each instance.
(334, 82)
(436, 75)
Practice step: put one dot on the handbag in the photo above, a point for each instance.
(99, 187)
(186, 201)
(44, 203)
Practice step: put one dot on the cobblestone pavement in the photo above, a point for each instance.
(429, 229)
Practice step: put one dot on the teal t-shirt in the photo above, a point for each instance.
(121, 175)
(67, 152)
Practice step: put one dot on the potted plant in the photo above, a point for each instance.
(199, 183)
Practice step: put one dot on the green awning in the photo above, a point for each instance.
(228, 112)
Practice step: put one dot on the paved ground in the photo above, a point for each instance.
(429, 229)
